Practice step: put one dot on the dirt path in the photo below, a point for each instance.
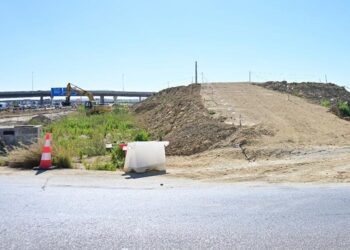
(292, 120)
(22, 118)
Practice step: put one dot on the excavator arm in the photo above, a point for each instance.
(79, 91)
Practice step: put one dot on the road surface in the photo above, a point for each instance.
(110, 211)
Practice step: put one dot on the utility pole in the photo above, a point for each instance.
(195, 73)
(325, 77)
(250, 76)
(123, 81)
(202, 77)
(32, 81)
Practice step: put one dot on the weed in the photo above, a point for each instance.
(26, 157)
(100, 163)
(326, 103)
(3, 161)
(81, 135)
(29, 156)
(118, 156)
(344, 109)
(142, 135)
(62, 161)
(297, 93)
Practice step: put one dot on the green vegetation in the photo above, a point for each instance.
(26, 157)
(142, 135)
(100, 163)
(2, 161)
(326, 103)
(297, 93)
(82, 136)
(344, 109)
(118, 156)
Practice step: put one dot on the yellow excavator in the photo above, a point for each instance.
(91, 106)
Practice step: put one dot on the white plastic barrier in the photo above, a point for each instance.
(143, 156)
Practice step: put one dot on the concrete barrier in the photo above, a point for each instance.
(16, 135)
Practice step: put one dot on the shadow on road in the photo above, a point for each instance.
(40, 171)
(133, 175)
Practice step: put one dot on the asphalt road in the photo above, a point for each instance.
(84, 212)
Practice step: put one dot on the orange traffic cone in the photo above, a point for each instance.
(46, 159)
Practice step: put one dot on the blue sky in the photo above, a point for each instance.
(155, 43)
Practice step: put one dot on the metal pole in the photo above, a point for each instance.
(196, 77)
(32, 81)
(123, 81)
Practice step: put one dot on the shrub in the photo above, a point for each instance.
(118, 157)
(344, 108)
(3, 161)
(142, 135)
(120, 109)
(26, 157)
(62, 161)
(29, 156)
(326, 103)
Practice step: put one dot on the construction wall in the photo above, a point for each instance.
(16, 135)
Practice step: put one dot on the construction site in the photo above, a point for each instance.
(223, 132)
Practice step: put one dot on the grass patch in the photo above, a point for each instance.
(80, 135)
(344, 109)
(26, 157)
(3, 161)
(326, 103)
(118, 157)
(100, 163)
(29, 156)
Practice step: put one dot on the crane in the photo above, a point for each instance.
(91, 106)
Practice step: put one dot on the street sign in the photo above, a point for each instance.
(61, 92)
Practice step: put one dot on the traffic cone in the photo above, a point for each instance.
(46, 159)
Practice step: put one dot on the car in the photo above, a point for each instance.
(4, 106)
(57, 105)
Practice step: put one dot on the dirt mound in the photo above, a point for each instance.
(39, 120)
(313, 91)
(179, 116)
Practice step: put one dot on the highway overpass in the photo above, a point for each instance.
(101, 93)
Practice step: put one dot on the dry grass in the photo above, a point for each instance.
(3, 161)
(29, 156)
(26, 157)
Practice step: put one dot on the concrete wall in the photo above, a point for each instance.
(15, 135)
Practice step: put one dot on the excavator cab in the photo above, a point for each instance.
(88, 105)
(66, 104)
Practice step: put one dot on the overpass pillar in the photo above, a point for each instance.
(41, 100)
(102, 99)
(139, 98)
(115, 99)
